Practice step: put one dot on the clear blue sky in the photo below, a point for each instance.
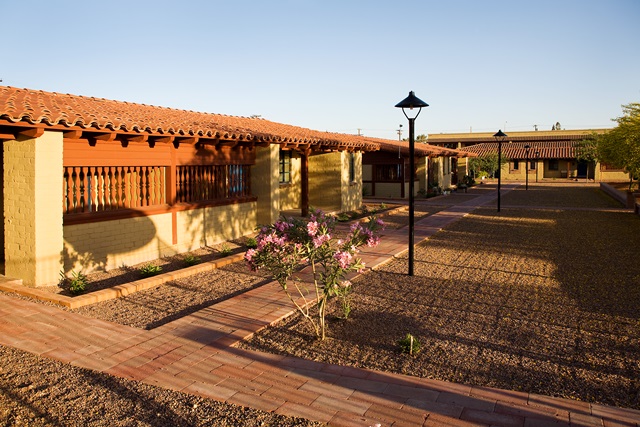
(338, 65)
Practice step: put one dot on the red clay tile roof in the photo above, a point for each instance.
(516, 150)
(529, 136)
(421, 149)
(40, 108)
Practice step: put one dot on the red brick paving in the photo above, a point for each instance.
(194, 355)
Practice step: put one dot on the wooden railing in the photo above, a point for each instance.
(212, 182)
(89, 189)
(107, 188)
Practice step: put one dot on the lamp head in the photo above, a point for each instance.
(411, 102)
(500, 135)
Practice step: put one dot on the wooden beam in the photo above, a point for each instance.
(72, 134)
(135, 138)
(7, 136)
(161, 139)
(32, 133)
(186, 139)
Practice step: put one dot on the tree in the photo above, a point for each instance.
(620, 147)
(486, 163)
(587, 151)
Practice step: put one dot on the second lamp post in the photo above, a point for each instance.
(411, 103)
(500, 137)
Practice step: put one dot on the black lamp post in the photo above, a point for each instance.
(500, 137)
(537, 164)
(411, 103)
(526, 168)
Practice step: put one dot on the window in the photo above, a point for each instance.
(388, 173)
(352, 167)
(285, 167)
(516, 165)
(532, 165)
(553, 164)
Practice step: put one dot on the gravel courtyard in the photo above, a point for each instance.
(542, 297)
(538, 300)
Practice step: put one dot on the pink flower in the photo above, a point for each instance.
(343, 258)
(249, 255)
(373, 241)
(320, 240)
(312, 228)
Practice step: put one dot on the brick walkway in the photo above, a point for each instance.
(194, 354)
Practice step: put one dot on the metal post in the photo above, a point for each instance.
(526, 169)
(499, 169)
(412, 178)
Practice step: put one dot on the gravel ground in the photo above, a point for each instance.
(539, 300)
(543, 301)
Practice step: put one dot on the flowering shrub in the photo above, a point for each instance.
(291, 244)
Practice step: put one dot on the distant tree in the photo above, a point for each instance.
(620, 147)
(556, 126)
(486, 163)
(587, 151)
(419, 138)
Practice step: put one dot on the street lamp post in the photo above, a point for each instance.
(410, 103)
(500, 137)
(526, 168)
(537, 164)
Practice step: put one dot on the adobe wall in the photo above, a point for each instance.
(351, 190)
(325, 181)
(290, 193)
(107, 245)
(264, 183)
(32, 219)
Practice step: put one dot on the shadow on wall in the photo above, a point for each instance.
(106, 245)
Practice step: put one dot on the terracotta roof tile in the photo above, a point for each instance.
(421, 149)
(516, 150)
(55, 109)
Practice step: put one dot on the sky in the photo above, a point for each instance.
(338, 65)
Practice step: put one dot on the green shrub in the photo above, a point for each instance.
(225, 250)
(409, 344)
(251, 243)
(343, 216)
(191, 260)
(150, 270)
(78, 282)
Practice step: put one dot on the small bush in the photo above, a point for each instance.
(343, 217)
(150, 270)
(191, 260)
(78, 282)
(225, 250)
(409, 344)
(251, 243)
